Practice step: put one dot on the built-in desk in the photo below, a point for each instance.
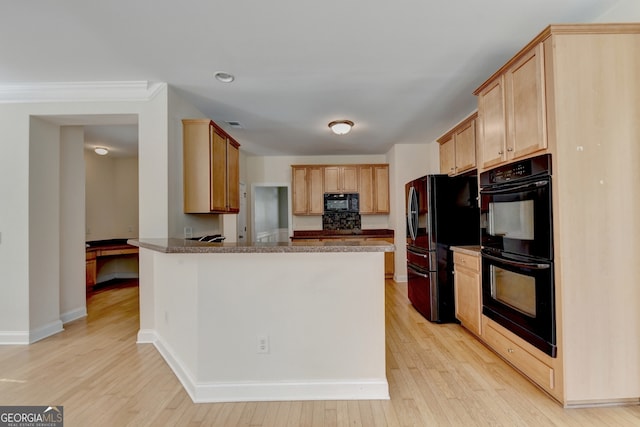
(97, 251)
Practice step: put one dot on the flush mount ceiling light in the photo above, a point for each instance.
(223, 77)
(101, 151)
(340, 127)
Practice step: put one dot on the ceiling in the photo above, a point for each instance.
(404, 71)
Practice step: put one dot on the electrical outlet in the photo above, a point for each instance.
(263, 344)
(188, 232)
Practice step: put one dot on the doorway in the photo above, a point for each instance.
(271, 212)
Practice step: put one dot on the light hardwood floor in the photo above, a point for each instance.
(439, 375)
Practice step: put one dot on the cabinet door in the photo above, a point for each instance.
(467, 298)
(315, 190)
(233, 177)
(381, 187)
(331, 179)
(218, 186)
(465, 147)
(300, 191)
(526, 110)
(447, 157)
(367, 189)
(492, 120)
(348, 179)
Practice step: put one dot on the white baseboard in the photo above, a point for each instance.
(72, 315)
(14, 338)
(45, 331)
(147, 336)
(272, 391)
(279, 391)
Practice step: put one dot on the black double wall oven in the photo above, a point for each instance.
(518, 289)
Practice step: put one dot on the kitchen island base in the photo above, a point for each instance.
(270, 326)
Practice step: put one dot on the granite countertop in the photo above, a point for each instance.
(192, 246)
(314, 234)
(469, 250)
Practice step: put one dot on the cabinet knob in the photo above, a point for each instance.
(500, 152)
(510, 149)
(510, 350)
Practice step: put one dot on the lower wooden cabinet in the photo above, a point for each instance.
(468, 291)
(534, 364)
(91, 268)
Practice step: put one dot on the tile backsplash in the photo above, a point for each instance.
(341, 221)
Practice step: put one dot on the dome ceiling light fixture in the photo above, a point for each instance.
(224, 77)
(101, 151)
(341, 127)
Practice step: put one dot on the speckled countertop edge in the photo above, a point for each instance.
(190, 246)
(469, 250)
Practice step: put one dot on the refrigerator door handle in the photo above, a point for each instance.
(417, 273)
(412, 213)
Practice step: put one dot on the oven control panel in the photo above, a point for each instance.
(540, 165)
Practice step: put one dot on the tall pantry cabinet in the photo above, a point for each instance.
(578, 98)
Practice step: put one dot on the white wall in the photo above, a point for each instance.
(111, 197)
(30, 224)
(622, 11)
(407, 162)
(277, 170)
(44, 229)
(200, 224)
(73, 302)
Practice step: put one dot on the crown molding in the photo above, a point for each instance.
(79, 91)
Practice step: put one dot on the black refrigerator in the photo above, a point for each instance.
(442, 211)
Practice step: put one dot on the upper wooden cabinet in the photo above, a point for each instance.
(458, 147)
(374, 189)
(308, 192)
(211, 170)
(341, 179)
(310, 182)
(512, 110)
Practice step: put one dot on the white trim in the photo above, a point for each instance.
(147, 336)
(45, 331)
(185, 378)
(289, 391)
(271, 391)
(80, 91)
(72, 315)
(14, 338)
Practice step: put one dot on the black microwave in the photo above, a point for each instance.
(341, 202)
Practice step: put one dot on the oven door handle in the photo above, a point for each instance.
(505, 189)
(531, 265)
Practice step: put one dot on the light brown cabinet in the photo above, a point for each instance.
(374, 189)
(211, 170)
(467, 290)
(458, 148)
(572, 93)
(91, 268)
(308, 190)
(341, 179)
(512, 111)
(310, 182)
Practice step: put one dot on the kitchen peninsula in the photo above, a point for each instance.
(268, 321)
